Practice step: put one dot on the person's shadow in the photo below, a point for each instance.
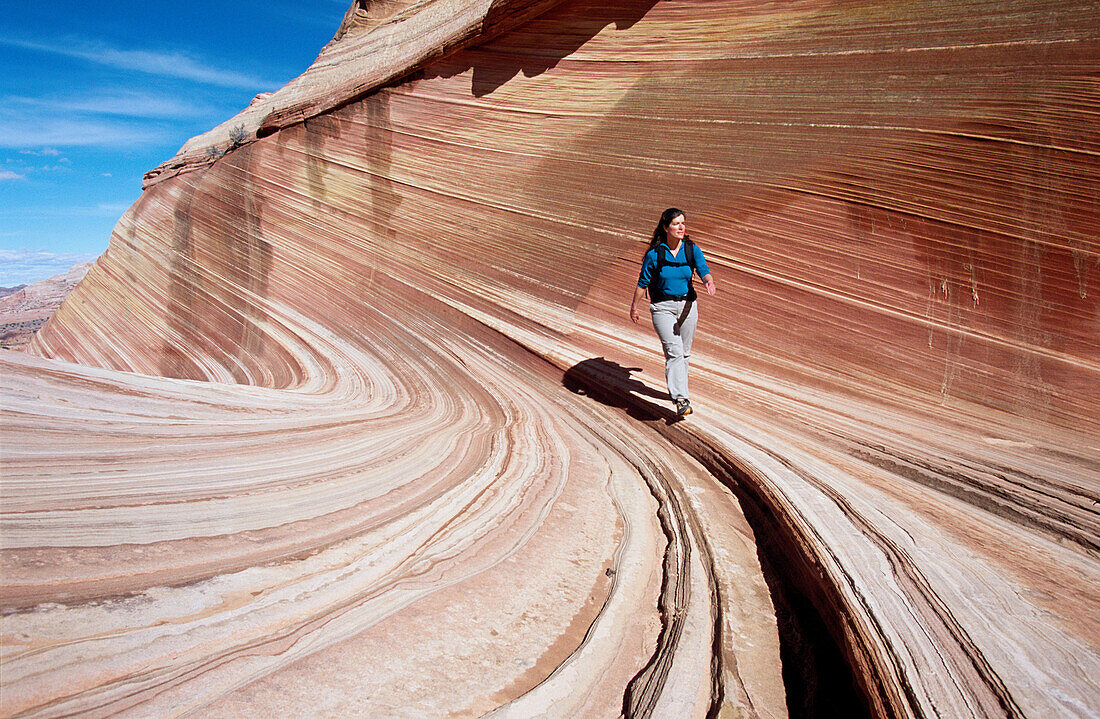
(610, 383)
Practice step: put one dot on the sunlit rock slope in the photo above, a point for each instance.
(350, 421)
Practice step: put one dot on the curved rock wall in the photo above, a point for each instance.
(389, 412)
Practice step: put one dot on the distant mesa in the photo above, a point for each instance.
(5, 291)
(24, 309)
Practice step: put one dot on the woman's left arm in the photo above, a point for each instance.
(703, 270)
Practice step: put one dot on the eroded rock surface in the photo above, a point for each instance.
(351, 421)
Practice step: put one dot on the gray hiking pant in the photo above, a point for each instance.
(675, 321)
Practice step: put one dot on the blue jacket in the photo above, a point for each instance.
(673, 280)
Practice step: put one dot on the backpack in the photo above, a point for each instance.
(689, 254)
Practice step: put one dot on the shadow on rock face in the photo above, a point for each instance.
(533, 53)
(611, 383)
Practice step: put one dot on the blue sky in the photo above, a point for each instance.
(94, 94)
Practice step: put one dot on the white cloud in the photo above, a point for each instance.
(60, 167)
(164, 64)
(111, 118)
(44, 130)
(58, 213)
(109, 102)
(9, 175)
(103, 209)
(114, 208)
(23, 266)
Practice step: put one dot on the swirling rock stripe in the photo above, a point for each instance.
(257, 545)
(901, 370)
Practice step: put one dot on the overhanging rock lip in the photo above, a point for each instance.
(387, 51)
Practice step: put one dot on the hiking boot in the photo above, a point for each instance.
(683, 407)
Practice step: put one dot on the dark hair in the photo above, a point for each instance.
(659, 234)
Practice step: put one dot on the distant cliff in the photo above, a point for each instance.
(356, 424)
(5, 291)
(24, 309)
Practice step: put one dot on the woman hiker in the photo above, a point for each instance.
(666, 273)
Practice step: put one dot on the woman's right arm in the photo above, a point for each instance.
(645, 276)
(635, 305)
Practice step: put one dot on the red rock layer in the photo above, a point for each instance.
(367, 316)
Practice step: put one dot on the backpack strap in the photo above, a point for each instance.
(689, 253)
